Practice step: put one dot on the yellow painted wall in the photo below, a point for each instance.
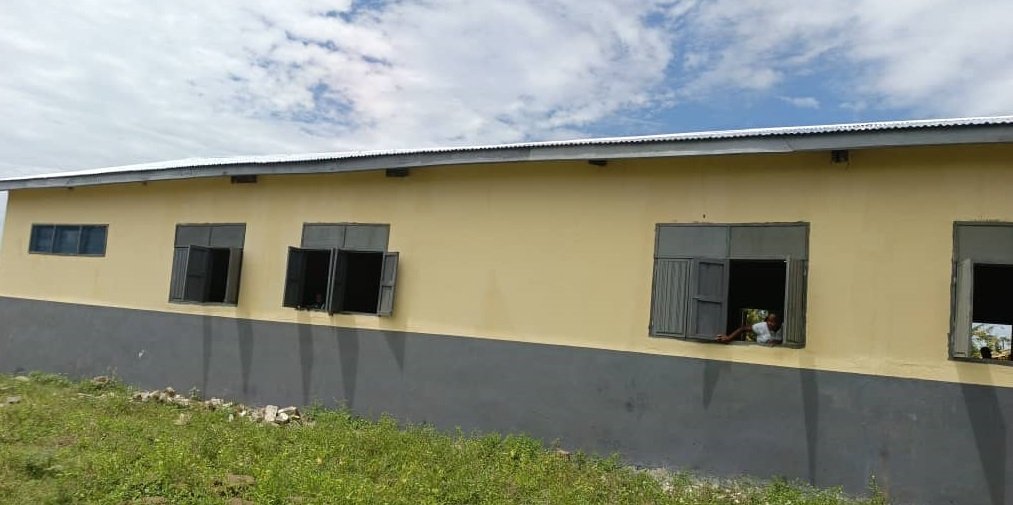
(562, 252)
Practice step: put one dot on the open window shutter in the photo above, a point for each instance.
(388, 277)
(709, 301)
(962, 307)
(178, 273)
(669, 299)
(295, 277)
(793, 321)
(235, 270)
(336, 282)
(198, 268)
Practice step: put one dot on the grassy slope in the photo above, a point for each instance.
(69, 442)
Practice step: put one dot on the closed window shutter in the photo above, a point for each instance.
(198, 266)
(179, 255)
(795, 302)
(708, 308)
(962, 308)
(669, 297)
(295, 275)
(336, 282)
(235, 271)
(388, 278)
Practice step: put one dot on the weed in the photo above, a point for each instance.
(86, 442)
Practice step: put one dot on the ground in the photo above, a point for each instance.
(64, 441)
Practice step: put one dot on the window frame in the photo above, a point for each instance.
(337, 276)
(793, 282)
(178, 274)
(955, 266)
(80, 239)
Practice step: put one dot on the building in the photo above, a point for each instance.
(568, 290)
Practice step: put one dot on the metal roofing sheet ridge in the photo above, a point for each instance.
(666, 137)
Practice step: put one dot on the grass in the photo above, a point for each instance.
(76, 442)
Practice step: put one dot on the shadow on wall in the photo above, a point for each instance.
(306, 361)
(244, 331)
(712, 371)
(989, 427)
(348, 354)
(810, 413)
(396, 343)
(206, 344)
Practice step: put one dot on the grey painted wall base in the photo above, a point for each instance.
(925, 442)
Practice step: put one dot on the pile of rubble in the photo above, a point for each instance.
(268, 415)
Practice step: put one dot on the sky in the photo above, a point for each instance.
(95, 83)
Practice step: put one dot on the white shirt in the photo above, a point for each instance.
(764, 335)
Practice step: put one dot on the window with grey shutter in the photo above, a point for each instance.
(669, 301)
(388, 279)
(365, 237)
(207, 263)
(179, 256)
(193, 234)
(963, 308)
(227, 236)
(198, 266)
(323, 236)
(981, 315)
(235, 271)
(295, 278)
(336, 278)
(793, 319)
(710, 279)
(352, 260)
(708, 312)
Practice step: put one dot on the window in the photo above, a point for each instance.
(207, 263)
(70, 240)
(710, 279)
(982, 317)
(342, 268)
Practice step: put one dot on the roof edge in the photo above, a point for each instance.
(752, 141)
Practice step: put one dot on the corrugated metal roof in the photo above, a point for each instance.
(704, 143)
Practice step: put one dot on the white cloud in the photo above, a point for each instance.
(802, 102)
(930, 57)
(93, 83)
(105, 82)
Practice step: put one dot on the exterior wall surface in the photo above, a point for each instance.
(924, 442)
(562, 253)
(560, 256)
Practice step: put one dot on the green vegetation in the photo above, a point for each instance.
(79, 442)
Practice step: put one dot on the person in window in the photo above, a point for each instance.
(986, 352)
(318, 302)
(767, 332)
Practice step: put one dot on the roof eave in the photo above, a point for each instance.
(770, 144)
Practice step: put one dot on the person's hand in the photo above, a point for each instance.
(724, 339)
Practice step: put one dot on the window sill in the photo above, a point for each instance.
(204, 304)
(40, 253)
(308, 309)
(734, 343)
(1001, 362)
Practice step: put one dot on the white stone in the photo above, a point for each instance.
(270, 413)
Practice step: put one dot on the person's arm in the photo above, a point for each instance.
(724, 339)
